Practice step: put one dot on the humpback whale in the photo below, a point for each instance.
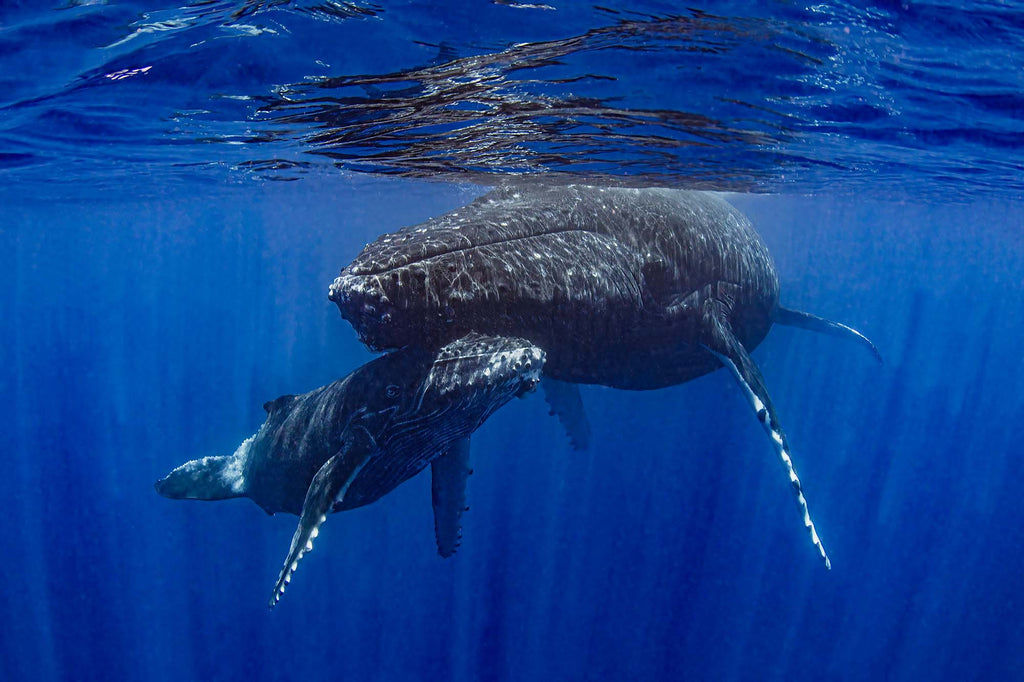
(346, 444)
(630, 288)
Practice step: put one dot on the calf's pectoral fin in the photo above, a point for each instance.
(723, 344)
(802, 320)
(448, 474)
(566, 403)
(328, 487)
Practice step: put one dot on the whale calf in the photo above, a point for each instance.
(346, 444)
(630, 288)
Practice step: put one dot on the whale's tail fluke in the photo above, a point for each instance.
(802, 320)
(209, 478)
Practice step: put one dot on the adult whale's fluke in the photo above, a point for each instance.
(802, 320)
(630, 288)
(346, 444)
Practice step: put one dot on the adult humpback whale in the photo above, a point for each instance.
(346, 444)
(631, 288)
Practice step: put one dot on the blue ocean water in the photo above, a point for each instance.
(180, 184)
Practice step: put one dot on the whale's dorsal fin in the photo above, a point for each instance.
(448, 474)
(718, 338)
(565, 402)
(277, 404)
(328, 487)
(802, 320)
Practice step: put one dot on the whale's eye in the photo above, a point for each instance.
(392, 391)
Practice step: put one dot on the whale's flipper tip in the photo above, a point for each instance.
(566, 403)
(328, 487)
(448, 475)
(723, 344)
(802, 320)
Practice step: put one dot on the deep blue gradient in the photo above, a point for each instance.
(143, 334)
(159, 286)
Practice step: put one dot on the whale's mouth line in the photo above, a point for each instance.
(367, 271)
(522, 351)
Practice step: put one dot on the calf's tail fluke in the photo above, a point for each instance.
(209, 478)
(802, 320)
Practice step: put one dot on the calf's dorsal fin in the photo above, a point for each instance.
(278, 403)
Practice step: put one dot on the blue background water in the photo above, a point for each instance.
(160, 287)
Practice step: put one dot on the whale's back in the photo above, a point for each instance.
(586, 273)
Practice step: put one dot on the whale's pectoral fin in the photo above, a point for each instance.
(448, 474)
(719, 339)
(209, 478)
(565, 402)
(329, 486)
(802, 320)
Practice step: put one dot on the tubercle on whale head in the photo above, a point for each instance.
(366, 307)
(378, 307)
(482, 362)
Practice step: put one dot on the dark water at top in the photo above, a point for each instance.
(180, 184)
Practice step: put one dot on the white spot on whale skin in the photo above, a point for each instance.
(233, 473)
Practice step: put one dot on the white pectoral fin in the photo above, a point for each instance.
(566, 403)
(329, 485)
(724, 345)
(448, 475)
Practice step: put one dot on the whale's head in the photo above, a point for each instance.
(392, 308)
(421, 285)
(414, 398)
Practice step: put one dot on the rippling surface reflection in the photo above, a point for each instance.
(920, 96)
